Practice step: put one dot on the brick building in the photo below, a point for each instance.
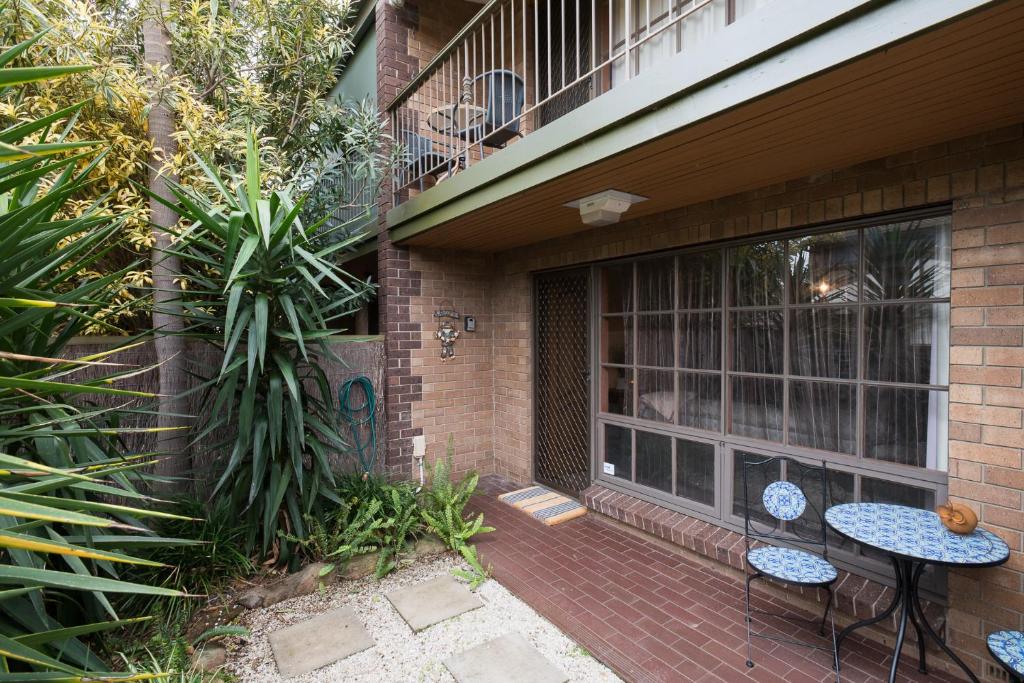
(818, 250)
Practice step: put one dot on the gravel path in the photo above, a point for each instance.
(400, 656)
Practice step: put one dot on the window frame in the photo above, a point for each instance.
(724, 443)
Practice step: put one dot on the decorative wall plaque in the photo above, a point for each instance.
(446, 332)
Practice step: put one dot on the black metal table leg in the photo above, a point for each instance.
(916, 605)
(903, 573)
(896, 600)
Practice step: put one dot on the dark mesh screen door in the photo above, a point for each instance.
(562, 379)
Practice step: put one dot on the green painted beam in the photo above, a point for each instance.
(782, 44)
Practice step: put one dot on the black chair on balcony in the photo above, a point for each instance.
(423, 159)
(504, 95)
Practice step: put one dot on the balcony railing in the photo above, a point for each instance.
(521, 64)
(353, 200)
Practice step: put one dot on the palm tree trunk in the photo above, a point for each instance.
(167, 320)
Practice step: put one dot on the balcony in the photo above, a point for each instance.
(520, 65)
(704, 101)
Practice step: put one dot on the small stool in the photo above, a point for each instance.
(1007, 648)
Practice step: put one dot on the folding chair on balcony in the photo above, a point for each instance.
(777, 507)
(423, 159)
(505, 95)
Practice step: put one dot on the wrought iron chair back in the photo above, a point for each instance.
(785, 499)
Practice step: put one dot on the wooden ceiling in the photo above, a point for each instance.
(962, 78)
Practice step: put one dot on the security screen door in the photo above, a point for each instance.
(562, 379)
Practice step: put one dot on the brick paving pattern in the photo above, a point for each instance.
(651, 614)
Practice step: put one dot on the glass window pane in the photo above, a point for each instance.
(618, 451)
(617, 288)
(695, 471)
(906, 426)
(839, 489)
(895, 493)
(823, 415)
(700, 341)
(654, 340)
(617, 340)
(700, 400)
(823, 268)
(907, 343)
(908, 260)
(654, 284)
(823, 342)
(700, 280)
(654, 460)
(757, 408)
(617, 391)
(757, 338)
(657, 399)
(756, 273)
(757, 478)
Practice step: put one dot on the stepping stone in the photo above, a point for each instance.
(433, 601)
(507, 659)
(320, 641)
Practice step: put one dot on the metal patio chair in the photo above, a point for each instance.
(505, 95)
(1007, 648)
(423, 159)
(782, 511)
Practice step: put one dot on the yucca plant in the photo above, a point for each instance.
(266, 292)
(61, 535)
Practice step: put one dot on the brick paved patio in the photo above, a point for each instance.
(649, 613)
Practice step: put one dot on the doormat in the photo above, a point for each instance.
(544, 504)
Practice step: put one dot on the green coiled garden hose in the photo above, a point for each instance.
(353, 415)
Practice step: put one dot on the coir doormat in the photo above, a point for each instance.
(544, 504)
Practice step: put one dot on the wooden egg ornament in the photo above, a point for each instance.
(957, 517)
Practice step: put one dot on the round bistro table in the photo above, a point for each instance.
(912, 538)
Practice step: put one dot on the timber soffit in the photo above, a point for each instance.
(765, 53)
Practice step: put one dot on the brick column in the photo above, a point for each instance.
(395, 68)
(986, 394)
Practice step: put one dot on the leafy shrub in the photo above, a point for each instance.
(346, 533)
(205, 565)
(64, 543)
(265, 292)
(399, 511)
(444, 502)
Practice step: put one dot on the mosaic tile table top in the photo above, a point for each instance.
(1008, 649)
(915, 534)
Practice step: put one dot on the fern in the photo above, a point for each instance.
(477, 574)
(444, 514)
(340, 539)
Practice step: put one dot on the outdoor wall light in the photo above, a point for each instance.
(604, 208)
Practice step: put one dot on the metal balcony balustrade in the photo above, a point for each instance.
(518, 65)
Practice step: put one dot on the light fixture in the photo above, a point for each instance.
(824, 287)
(604, 208)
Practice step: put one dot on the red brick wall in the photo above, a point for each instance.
(456, 394)
(395, 67)
(982, 176)
(484, 395)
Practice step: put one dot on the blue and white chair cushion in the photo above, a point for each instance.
(789, 564)
(1008, 649)
(784, 500)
